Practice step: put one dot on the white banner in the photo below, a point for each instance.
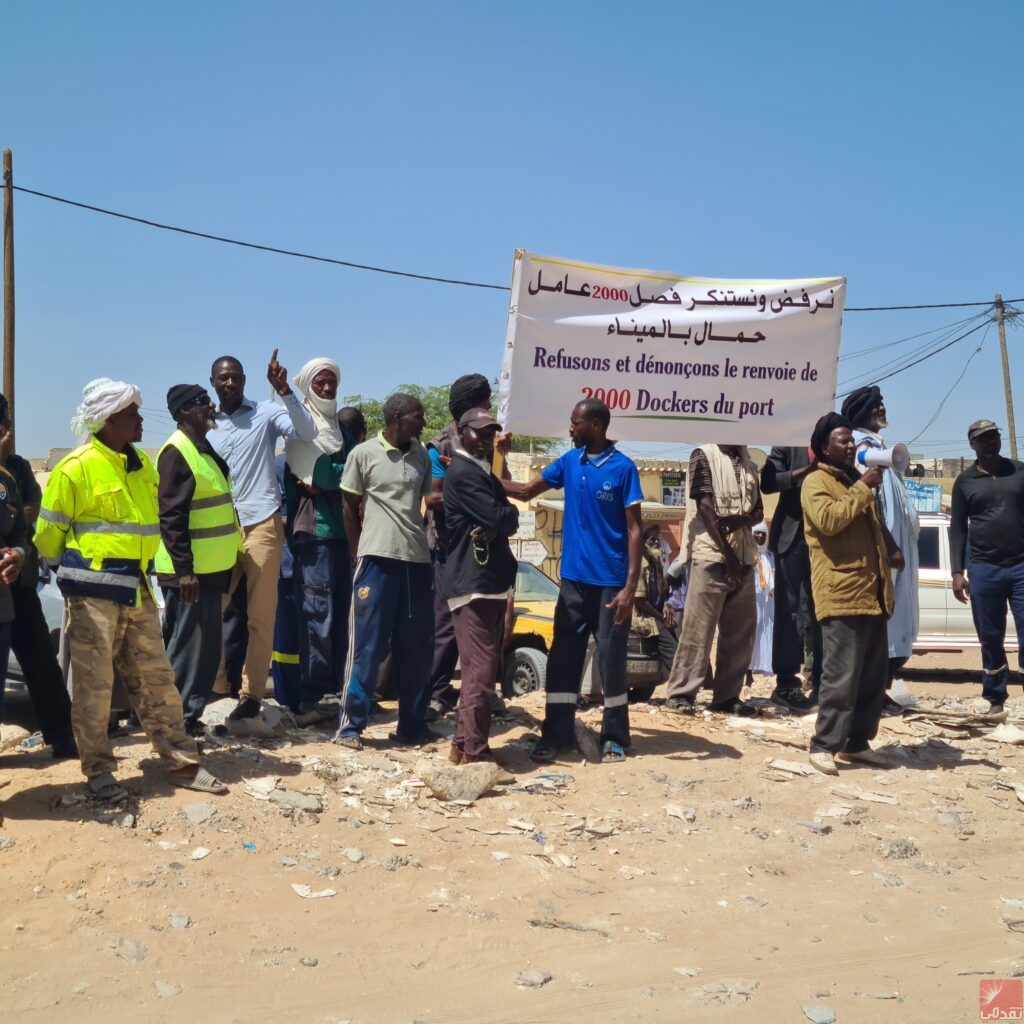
(676, 359)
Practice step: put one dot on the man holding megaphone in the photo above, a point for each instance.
(865, 409)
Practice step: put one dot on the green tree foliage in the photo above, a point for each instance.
(435, 405)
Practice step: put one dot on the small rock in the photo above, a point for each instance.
(11, 736)
(814, 826)
(465, 782)
(298, 801)
(687, 972)
(355, 855)
(180, 921)
(819, 1013)
(200, 852)
(196, 814)
(308, 961)
(6, 842)
(532, 979)
(394, 862)
(70, 799)
(130, 950)
(166, 844)
(287, 862)
(745, 803)
(588, 741)
(499, 856)
(165, 990)
(900, 849)
(126, 820)
(889, 881)
(687, 814)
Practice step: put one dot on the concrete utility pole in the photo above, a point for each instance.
(1011, 429)
(9, 284)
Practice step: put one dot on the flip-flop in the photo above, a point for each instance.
(202, 782)
(612, 752)
(105, 787)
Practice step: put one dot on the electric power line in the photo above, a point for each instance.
(148, 222)
(901, 369)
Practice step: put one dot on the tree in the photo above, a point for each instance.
(435, 407)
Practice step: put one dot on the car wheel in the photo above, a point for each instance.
(526, 670)
(641, 694)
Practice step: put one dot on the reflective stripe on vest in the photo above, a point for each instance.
(213, 530)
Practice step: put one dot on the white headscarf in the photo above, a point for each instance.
(762, 546)
(301, 455)
(101, 399)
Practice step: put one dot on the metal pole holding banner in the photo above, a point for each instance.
(9, 285)
(1006, 377)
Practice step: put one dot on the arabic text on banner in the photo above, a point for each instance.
(676, 359)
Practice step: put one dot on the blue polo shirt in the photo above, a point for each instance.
(598, 490)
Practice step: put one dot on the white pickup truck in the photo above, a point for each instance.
(946, 624)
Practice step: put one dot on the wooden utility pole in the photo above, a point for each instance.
(1006, 377)
(9, 285)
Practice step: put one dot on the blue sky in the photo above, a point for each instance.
(877, 141)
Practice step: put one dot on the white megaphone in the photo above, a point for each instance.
(896, 458)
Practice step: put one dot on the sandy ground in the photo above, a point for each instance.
(694, 882)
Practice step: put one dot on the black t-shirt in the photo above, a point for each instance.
(988, 510)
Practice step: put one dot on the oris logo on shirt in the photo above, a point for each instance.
(607, 492)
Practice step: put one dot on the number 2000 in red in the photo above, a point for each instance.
(600, 291)
(614, 398)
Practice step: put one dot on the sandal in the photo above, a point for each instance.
(201, 782)
(105, 787)
(612, 752)
(543, 752)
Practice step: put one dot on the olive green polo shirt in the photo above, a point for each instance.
(392, 484)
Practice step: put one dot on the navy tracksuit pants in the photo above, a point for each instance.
(392, 604)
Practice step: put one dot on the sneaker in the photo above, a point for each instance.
(994, 708)
(736, 707)
(891, 709)
(823, 761)
(793, 699)
(349, 742)
(436, 709)
(247, 707)
(869, 757)
(421, 739)
(680, 705)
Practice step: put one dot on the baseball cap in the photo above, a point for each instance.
(478, 418)
(980, 427)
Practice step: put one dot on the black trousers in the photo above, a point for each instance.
(446, 649)
(794, 619)
(853, 682)
(580, 612)
(30, 641)
(192, 636)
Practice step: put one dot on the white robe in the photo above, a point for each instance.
(761, 659)
(900, 518)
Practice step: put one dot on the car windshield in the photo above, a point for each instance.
(533, 585)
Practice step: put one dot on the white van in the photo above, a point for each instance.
(946, 624)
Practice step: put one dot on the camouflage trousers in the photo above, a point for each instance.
(104, 636)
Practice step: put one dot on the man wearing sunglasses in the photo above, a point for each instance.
(200, 539)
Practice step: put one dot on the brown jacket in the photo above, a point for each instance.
(850, 573)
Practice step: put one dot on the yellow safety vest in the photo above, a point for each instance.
(213, 529)
(99, 519)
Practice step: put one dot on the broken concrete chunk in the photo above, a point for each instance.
(462, 782)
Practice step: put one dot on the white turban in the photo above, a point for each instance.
(301, 455)
(101, 399)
